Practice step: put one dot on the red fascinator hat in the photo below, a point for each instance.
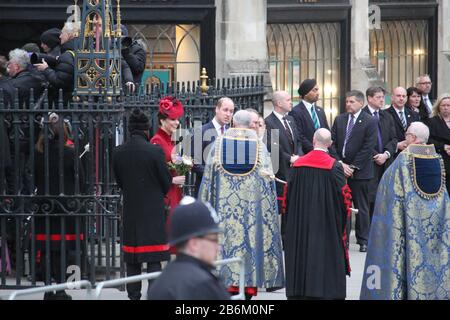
(171, 107)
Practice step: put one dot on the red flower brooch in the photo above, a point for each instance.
(171, 107)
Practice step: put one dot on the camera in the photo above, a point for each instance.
(37, 58)
(126, 42)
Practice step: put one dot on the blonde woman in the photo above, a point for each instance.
(439, 126)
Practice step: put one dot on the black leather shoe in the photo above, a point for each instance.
(363, 248)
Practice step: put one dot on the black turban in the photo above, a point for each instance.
(138, 121)
(306, 87)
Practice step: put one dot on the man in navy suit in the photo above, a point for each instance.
(282, 142)
(209, 132)
(386, 146)
(309, 117)
(402, 116)
(354, 135)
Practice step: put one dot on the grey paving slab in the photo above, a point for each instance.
(357, 260)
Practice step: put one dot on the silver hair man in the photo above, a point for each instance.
(19, 57)
(242, 119)
(419, 131)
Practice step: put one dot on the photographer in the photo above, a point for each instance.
(61, 76)
(50, 42)
(24, 78)
(134, 55)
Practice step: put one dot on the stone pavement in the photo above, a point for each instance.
(357, 260)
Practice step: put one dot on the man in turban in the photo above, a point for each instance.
(307, 115)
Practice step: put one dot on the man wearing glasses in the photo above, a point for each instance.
(410, 227)
(424, 84)
(194, 230)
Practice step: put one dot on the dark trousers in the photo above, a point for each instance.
(134, 269)
(378, 172)
(360, 195)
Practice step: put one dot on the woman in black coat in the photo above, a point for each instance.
(52, 232)
(415, 103)
(439, 127)
(142, 174)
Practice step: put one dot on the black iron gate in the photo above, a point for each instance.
(60, 209)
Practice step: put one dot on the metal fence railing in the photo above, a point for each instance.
(95, 295)
(60, 208)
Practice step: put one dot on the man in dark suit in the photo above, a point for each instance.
(282, 142)
(354, 136)
(386, 146)
(402, 117)
(308, 117)
(208, 134)
(424, 84)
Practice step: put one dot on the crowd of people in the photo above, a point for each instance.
(287, 183)
(290, 183)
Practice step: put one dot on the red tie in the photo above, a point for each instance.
(222, 130)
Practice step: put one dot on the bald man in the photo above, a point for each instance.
(402, 115)
(283, 142)
(315, 254)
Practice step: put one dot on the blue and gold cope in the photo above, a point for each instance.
(409, 243)
(239, 182)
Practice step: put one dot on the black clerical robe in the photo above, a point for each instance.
(319, 201)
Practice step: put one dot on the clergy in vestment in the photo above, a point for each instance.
(409, 244)
(319, 202)
(238, 181)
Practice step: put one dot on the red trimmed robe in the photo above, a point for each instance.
(318, 206)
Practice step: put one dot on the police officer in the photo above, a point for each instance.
(194, 231)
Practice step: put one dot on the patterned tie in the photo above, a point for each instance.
(403, 120)
(380, 141)
(427, 104)
(350, 128)
(288, 133)
(314, 118)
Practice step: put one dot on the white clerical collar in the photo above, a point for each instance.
(320, 149)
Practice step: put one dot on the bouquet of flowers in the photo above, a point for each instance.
(181, 164)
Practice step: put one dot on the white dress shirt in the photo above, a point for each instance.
(308, 107)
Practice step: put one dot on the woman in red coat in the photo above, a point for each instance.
(170, 111)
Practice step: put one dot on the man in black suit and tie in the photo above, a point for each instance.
(354, 137)
(386, 146)
(424, 84)
(209, 132)
(308, 117)
(402, 117)
(282, 142)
